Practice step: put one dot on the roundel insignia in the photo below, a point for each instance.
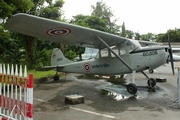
(58, 31)
(54, 55)
(87, 67)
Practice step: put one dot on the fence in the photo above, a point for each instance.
(16, 93)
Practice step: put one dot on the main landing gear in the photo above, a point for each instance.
(132, 88)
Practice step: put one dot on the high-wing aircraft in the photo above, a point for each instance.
(117, 55)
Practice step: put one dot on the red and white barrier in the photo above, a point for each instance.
(13, 104)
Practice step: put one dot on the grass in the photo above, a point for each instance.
(40, 74)
(36, 75)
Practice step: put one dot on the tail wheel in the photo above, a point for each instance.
(151, 82)
(56, 77)
(132, 88)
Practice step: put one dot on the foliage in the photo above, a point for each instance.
(9, 7)
(70, 54)
(174, 36)
(25, 49)
(10, 48)
(129, 34)
(93, 22)
(123, 32)
(52, 11)
(104, 12)
(137, 36)
(148, 37)
(21, 49)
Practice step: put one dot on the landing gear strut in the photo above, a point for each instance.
(151, 81)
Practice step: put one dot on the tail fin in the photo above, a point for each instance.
(57, 58)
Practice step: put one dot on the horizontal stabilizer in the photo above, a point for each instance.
(47, 68)
(176, 58)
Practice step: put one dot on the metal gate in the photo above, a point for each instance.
(16, 93)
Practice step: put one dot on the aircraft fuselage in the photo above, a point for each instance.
(138, 60)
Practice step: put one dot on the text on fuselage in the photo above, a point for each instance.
(150, 53)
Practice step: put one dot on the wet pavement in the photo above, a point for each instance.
(105, 100)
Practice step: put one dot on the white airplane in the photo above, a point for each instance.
(117, 55)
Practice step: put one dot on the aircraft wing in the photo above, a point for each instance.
(148, 43)
(46, 68)
(61, 32)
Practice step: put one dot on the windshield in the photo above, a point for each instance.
(132, 45)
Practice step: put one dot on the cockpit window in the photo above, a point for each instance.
(132, 45)
(104, 52)
(116, 50)
(120, 49)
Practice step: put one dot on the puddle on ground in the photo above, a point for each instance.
(118, 97)
(116, 89)
(119, 92)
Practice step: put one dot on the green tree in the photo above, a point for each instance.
(52, 11)
(123, 32)
(104, 12)
(129, 34)
(148, 37)
(137, 36)
(10, 7)
(11, 48)
(174, 36)
(29, 45)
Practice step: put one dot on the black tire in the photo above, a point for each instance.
(56, 77)
(151, 71)
(151, 82)
(132, 88)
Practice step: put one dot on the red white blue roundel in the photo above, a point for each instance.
(87, 67)
(58, 31)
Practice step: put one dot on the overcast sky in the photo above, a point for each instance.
(143, 16)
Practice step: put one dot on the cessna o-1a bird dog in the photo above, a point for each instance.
(117, 55)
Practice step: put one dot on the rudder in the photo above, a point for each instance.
(57, 58)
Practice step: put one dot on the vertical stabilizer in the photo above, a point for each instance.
(57, 58)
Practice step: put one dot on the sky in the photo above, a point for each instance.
(142, 16)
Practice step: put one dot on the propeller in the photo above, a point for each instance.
(170, 55)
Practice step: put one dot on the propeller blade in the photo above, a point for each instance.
(171, 60)
(170, 55)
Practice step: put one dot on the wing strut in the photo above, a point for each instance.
(115, 54)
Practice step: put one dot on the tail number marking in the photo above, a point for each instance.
(150, 53)
(59, 59)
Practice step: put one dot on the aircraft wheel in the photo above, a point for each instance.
(151, 82)
(132, 88)
(56, 77)
(151, 71)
